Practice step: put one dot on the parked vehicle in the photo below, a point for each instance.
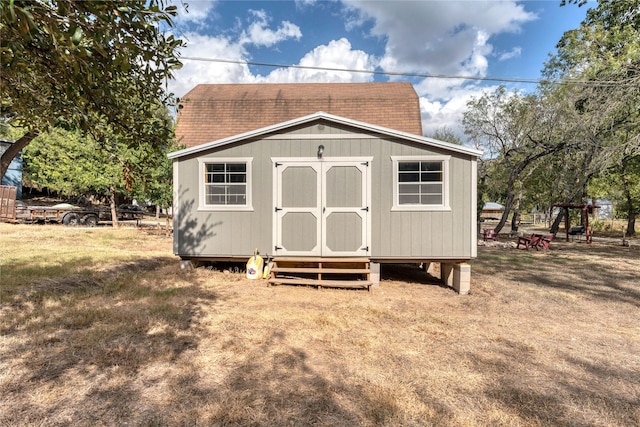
(64, 213)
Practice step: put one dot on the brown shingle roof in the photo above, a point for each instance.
(210, 111)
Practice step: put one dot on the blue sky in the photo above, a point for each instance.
(478, 38)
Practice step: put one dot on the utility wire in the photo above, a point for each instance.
(392, 73)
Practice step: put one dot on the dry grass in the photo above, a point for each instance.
(100, 327)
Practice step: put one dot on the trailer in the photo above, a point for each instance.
(12, 210)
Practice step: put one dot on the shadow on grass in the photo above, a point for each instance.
(571, 393)
(604, 272)
(70, 331)
(278, 384)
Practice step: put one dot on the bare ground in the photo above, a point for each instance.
(100, 327)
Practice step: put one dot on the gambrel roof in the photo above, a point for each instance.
(211, 112)
(356, 125)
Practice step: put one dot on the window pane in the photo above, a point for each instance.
(431, 166)
(236, 189)
(215, 194)
(239, 199)
(408, 166)
(409, 188)
(431, 176)
(431, 199)
(236, 167)
(409, 177)
(215, 177)
(431, 188)
(237, 178)
(409, 199)
(229, 183)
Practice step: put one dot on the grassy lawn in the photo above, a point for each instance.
(100, 327)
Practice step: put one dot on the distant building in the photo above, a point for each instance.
(14, 173)
(492, 211)
(605, 211)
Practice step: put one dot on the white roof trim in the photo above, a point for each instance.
(332, 118)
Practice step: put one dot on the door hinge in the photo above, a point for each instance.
(276, 164)
(365, 164)
(365, 209)
(366, 248)
(276, 247)
(278, 209)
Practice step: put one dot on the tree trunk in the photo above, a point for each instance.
(508, 203)
(556, 223)
(631, 225)
(157, 211)
(515, 220)
(13, 151)
(112, 205)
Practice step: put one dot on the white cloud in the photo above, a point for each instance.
(336, 54)
(195, 72)
(438, 37)
(449, 38)
(259, 34)
(513, 53)
(194, 11)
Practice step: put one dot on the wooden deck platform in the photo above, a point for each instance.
(321, 272)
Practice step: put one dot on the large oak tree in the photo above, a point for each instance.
(97, 66)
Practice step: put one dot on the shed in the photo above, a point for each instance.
(327, 186)
(13, 177)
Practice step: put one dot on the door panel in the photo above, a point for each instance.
(321, 208)
(343, 186)
(299, 232)
(298, 209)
(344, 233)
(345, 211)
(299, 187)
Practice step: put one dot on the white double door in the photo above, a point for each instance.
(322, 207)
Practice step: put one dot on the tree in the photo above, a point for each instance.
(77, 166)
(447, 134)
(603, 54)
(515, 131)
(99, 67)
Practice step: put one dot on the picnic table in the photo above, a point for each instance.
(537, 241)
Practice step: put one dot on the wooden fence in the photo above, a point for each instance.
(8, 202)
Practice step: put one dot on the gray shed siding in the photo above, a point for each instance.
(394, 234)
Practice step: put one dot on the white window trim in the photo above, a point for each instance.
(203, 206)
(445, 183)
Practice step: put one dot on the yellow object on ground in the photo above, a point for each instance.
(254, 266)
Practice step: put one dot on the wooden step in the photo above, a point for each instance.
(320, 270)
(364, 284)
(319, 259)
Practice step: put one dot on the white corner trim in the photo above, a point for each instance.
(474, 208)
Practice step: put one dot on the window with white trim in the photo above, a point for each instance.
(420, 183)
(225, 184)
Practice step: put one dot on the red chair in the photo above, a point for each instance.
(489, 234)
(530, 242)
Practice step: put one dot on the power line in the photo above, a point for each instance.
(399, 74)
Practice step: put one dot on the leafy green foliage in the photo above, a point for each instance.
(96, 66)
(75, 165)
